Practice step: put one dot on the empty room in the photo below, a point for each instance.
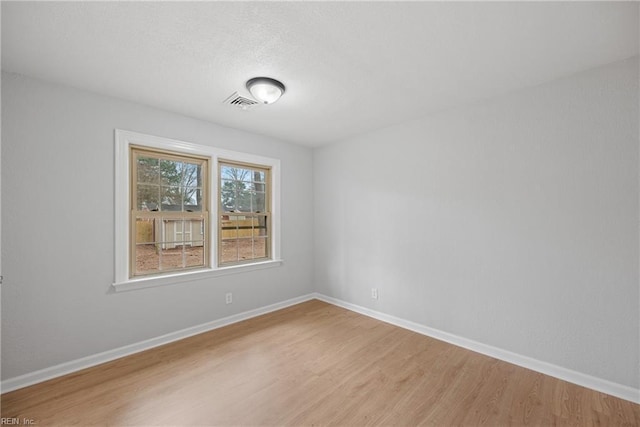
(320, 213)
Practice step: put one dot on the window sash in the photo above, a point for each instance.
(245, 237)
(167, 244)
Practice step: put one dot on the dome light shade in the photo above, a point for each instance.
(265, 89)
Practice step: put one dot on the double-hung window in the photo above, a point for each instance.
(169, 200)
(244, 219)
(186, 211)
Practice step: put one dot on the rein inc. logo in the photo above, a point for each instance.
(15, 421)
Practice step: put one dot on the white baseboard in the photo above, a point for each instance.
(614, 389)
(594, 383)
(107, 356)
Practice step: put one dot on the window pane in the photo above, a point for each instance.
(171, 257)
(260, 226)
(145, 230)
(194, 254)
(260, 247)
(229, 227)
(243, 201)
(228, 196)
(171, 172)
(228, 172)
(199, 230)
(148, 197)
(147, 259)
(258, 176)
(245, 249)
(171, 199)
(192, 175)
(229, 250)
(192, 197)
(258, 202)
(245, 175)
(231, 195)
(148, 170)
(175, 232)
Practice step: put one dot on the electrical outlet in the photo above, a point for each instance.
(228, 298)
(374, 293)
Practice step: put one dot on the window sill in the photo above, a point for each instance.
(172, 279)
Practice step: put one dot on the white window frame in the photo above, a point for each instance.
(123, 142)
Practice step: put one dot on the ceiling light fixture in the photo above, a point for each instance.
(265, 89)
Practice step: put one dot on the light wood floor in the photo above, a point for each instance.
(313, 364)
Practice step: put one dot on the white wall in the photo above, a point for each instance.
(58, 228)
(513, 223)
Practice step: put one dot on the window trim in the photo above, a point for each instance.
(123, 142)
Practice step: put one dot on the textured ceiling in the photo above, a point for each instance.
(349, 68)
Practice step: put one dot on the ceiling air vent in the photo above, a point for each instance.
(240, 101)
